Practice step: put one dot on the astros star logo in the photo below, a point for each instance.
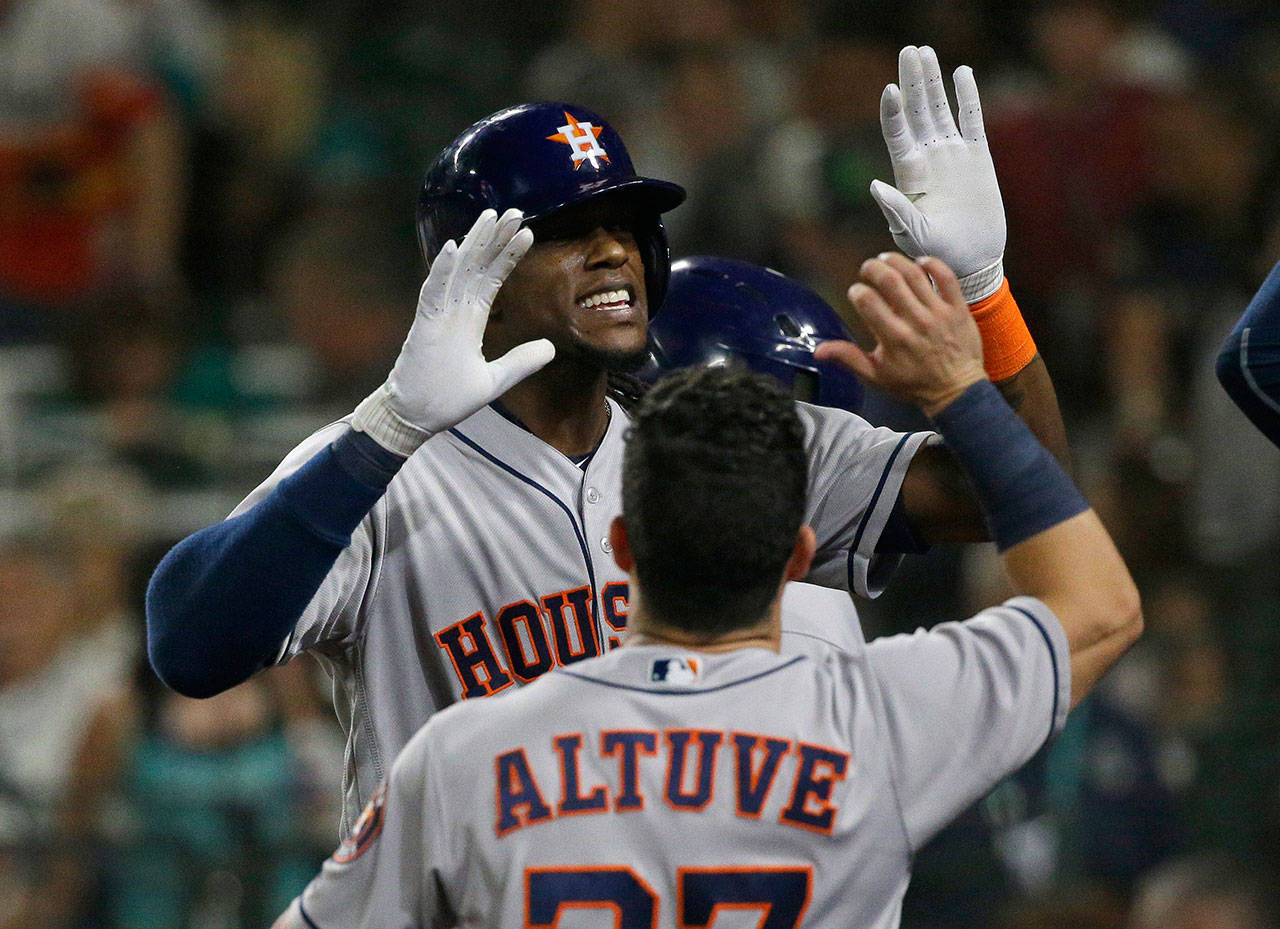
(582, 139)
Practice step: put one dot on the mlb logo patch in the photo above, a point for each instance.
(675, 670)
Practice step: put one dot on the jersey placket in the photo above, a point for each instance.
(599, 501)
(588, 497)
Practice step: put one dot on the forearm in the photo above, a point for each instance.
(222, 602)
(1249, 362)
(1013, 363)
(1031, 395)
(1075, 569)
(939, 500)
(1054, 546)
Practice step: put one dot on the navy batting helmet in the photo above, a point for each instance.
(540, 158)
(718, 309)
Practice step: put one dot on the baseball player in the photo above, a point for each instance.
(450, 539)
(696, 771)
(1249, 362)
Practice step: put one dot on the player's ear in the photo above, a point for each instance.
(801, 556)
(621, 548)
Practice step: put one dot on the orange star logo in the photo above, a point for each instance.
(583, 140)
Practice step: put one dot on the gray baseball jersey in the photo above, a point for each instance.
(487, 564)
(657, 786)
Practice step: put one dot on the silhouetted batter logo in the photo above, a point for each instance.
(367, 828)
(675, 670)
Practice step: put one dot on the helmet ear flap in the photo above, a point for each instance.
(656, 253)
(441, 216)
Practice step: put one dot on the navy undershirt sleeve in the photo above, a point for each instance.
(222, 601)
(1249, 362)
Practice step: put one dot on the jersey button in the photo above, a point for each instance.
(593, 495)
(604, 544)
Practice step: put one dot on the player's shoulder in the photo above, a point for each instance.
(306, 449)
(814, 416)
(815, 617)
(327, 434)
(826, 426)
(452, 734)
(652, 674)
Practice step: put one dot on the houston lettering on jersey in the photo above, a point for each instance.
(531, 638)
(687, 760)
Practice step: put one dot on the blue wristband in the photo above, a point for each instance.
(1021, 487)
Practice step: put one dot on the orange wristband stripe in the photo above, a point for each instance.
(1007, 346)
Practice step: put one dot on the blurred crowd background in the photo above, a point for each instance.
(206, 251)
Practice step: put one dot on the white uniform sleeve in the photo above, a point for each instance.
(333, 613)
(382, 876)
(855, 475)
(966, 704)
(817, 619)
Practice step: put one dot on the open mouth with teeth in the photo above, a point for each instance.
(607, 300)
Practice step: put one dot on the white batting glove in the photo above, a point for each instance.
(441, 377)
(947, 201)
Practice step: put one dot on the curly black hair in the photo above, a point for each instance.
(713, 495)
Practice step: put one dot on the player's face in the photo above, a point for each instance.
(581, 285)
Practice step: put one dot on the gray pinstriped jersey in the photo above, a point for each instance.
(485, 565)
(663, 787)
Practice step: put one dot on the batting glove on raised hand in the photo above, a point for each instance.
(947, 201)
(441, 377)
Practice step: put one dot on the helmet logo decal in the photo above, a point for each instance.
(582, 139)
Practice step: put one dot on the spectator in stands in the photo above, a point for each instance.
(597, 31)
(91, 173)
(1074, 156)
(1079, 907)
(223, 811)
(702, 136)
(128, 358)
(818, 163)
(64, 726)
(341, 288)
(1201, 892)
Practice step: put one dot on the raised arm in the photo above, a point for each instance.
(222, 603)
(946, 203)
(929, 353)
(1249, 362)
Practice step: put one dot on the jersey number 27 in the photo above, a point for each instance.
(780, 894)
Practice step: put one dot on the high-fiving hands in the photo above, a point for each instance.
(441, 377)
(928, 350)
(946, 201)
